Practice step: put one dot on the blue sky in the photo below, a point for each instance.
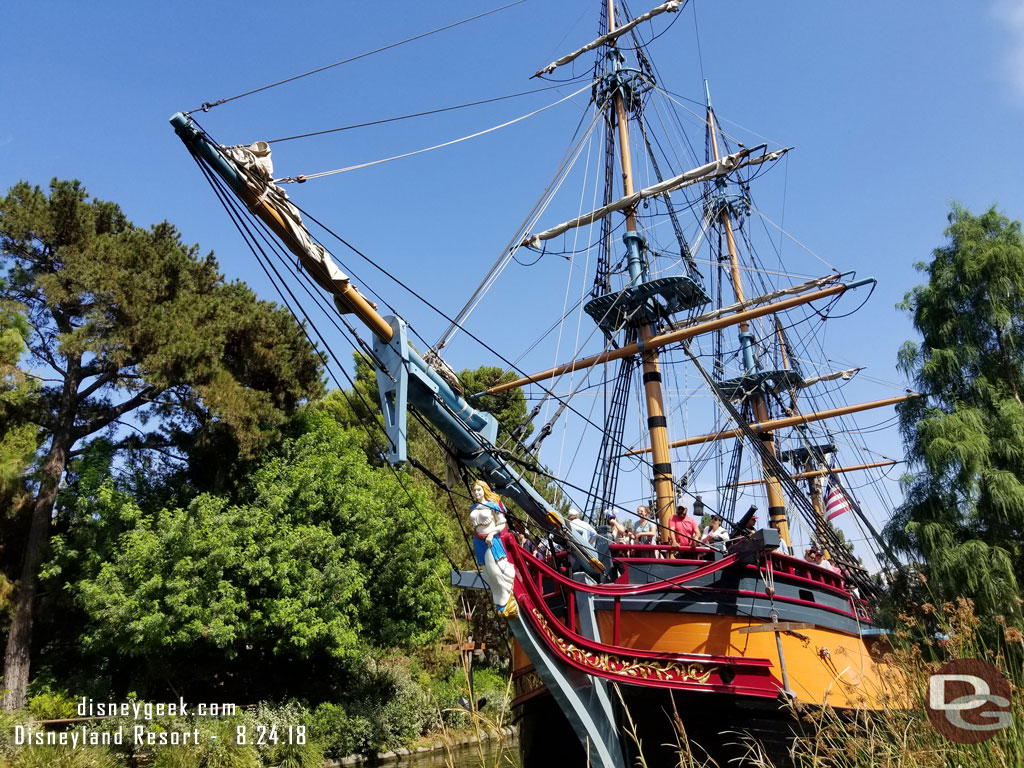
(894, 110)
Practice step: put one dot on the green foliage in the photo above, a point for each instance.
(129, 320)
(508, 407)
(136, 316)
(386, 706)
(488, 683)
(19, 438)
(331, 726)
(280, 745)
(51, 705)
(64, 757)
(321, 556)
(9, 719)
(964, 509)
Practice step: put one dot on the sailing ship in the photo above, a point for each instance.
(619, 641)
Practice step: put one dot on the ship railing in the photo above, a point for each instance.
(553, 580)
(561, 632)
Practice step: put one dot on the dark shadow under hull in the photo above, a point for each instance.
(717, 727)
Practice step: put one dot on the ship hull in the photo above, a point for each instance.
(719, 727)
(698, 649)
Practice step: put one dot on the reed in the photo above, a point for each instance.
(901, 735)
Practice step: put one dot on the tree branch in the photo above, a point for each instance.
(145, 396)
(100, 382)
(96, 367)
(43, 351)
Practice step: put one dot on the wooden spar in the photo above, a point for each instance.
(671, 337)
(789, 421)
(772, 486)
(345, 294)
(664, 487)
(814, 487)
(821, 472)
(349, 295)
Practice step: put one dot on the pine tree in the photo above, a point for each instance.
(131, 321)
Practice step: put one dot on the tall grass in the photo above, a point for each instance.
(901, 735)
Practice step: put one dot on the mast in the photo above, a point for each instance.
(773, 488)
(664, 487)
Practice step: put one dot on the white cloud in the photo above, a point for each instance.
(1009, 14)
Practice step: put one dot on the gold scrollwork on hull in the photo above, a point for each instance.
(613, 664)
(527, 683)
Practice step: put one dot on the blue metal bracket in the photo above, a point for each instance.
(583, 698)
(747, 346)
(404, 379)
(635, 248)
(393, 385)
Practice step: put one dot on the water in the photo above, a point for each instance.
(490, 754)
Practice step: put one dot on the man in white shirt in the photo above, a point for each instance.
(581, 529)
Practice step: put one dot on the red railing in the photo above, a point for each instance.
(689, 671)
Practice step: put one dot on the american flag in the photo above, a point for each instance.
(836, 501)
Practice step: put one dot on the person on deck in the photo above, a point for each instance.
(644, 531)
(715, 535)
(684, 530)
(616, 529)
(812, 555)
(581, 529)
(585, 534)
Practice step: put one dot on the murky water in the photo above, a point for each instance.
(489, 754)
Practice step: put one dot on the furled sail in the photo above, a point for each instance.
(257, 168)
(671, 5)
(706, 172)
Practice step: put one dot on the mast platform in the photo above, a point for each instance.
(761, 382)
(661, 297)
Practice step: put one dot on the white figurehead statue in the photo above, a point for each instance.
(488, 518)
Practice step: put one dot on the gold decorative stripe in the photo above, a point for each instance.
(613, 664)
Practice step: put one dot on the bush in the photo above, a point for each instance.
(387, 706)
(65, 757)
(280, 733)
(51, 705)
(488, 683)
(331, 726)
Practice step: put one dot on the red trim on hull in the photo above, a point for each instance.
(690, 672)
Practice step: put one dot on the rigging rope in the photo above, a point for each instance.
(796, 496)
(385, 120)
(310, 176)
(235, 212)
(206, 106)
(568, 160)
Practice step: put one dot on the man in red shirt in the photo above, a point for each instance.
(684, 529)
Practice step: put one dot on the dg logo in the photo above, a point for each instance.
(969, 701)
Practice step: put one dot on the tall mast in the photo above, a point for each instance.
(664, 487)
(773, 488)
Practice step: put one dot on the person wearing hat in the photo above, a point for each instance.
(615, 528)
(584, 533)
(715, 535)
(685, 532)
(812, 555)
(581, 529)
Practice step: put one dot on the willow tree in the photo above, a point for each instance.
(964, 508)
(128, 322)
